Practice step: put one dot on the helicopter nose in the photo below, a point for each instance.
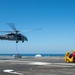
(26, 38)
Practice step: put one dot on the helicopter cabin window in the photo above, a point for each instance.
(19, 37)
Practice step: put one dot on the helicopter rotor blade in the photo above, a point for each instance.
(12, 25)
(5, 31)
(31, 30)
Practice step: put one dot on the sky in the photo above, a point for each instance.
(56, 18)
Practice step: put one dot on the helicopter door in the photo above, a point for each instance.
(19, 37)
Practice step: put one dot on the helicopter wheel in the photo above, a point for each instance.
(16, 41)
(22, 40)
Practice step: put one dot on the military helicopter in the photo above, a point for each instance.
(13, 35)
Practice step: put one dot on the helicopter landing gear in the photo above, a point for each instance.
(22, 40)
(16, 41)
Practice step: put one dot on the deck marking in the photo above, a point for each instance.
(11, 71)
(52, 64)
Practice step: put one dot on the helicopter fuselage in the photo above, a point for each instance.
(14, 37)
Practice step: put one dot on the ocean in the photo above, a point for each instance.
(33, 54)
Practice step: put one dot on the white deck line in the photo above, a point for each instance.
(11, 71)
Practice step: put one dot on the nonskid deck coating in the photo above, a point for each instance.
(37, 66)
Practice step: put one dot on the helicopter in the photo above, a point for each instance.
(14, 35)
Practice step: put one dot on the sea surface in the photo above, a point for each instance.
(33, 54)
